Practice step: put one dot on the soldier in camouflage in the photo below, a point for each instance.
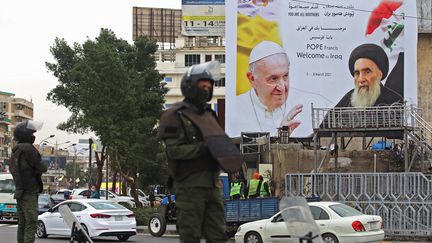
(193, 170)
(26, 168)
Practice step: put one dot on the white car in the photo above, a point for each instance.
(84, 193)
(142, 197)
(337, 222)
(97, 216)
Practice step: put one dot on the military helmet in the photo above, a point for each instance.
(189, 83)
(24, 131)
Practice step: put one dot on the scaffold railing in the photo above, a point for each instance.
(422, 131)
(376, 117)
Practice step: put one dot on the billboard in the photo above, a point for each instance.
(285, 55)
(203, 17)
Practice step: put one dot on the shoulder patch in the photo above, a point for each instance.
(169, 124)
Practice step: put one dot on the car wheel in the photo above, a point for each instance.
(253, 237)
(157, 225)
(40, 230)
(123, 237)
(329, 238)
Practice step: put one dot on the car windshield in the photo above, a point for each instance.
(43, 199)
(344, 210)
(106, 205)
(7, 186)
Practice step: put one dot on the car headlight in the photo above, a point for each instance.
(239, 229)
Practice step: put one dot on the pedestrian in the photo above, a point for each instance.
(152, 198)
(264, 188)
(236, 188)
(26, 168)
(254, 190)
(188, 130)
(94, 192)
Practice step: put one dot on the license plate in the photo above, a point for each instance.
(374, 225)
(118, 218)
(10, 206)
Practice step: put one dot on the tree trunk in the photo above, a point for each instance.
(114, 181)
(100, 163)
(130, 180)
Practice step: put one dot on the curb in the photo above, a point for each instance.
(144, 230)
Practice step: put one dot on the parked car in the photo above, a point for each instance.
(62, 193)
(45, 202)
(337, 222)
(97, 216)
(85, 193)
(142, 197)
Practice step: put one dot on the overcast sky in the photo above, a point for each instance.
(28, 29)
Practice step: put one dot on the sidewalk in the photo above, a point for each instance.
(170, 229)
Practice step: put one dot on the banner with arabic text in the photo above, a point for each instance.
(318, 37)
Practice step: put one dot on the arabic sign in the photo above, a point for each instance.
(203, 17)
(319, 38)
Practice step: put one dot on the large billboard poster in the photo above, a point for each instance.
(285, 55)
(203, 17)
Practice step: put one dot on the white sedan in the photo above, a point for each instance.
(337, 222)
(98, 217)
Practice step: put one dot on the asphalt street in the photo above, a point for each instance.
(8, 235)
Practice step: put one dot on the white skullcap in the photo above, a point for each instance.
(265, 49)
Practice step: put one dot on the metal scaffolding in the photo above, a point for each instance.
(395, 121)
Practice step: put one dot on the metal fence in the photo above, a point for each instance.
(403, 200)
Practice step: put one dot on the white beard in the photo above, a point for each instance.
(365, 98)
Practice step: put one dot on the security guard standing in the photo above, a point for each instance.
(254, 190)
(197, 148)
(236, 191)
(26, 168)
(264, 188)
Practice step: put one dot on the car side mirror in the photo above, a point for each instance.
(50, 210)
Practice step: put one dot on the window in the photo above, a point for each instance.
(85, 193)
(106, 205)
(220, 58)
(208, 58)
(220, 83)
(319, 213)
(192, 59)
(345, 210)
(7, 186)
(76, 207)
(278, 218)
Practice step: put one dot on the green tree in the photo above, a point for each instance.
(113, 89)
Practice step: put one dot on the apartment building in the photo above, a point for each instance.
(12, 111)
(177, 52)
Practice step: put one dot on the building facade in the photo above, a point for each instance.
(12, 111)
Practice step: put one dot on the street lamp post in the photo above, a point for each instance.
(56, 148)
(76, 152)
(44, 140)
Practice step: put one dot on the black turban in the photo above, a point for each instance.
(372, 52)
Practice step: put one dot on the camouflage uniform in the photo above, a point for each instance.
(26, 168)
(194, 173)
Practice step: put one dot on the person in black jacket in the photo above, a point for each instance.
(26, 168)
